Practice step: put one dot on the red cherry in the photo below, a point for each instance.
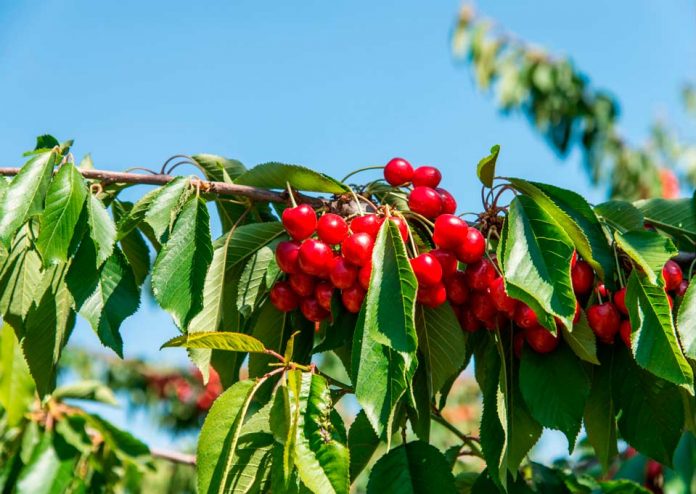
(353, 298)
(286, 255)
(449, 204)
(432, 296)
(427, 269)
(480, 274)
(312, 310)
(673, 275)
(484, 309)
(447, 260)
(582, 277)
(472, 247)
(541, 339)
(364, 275)
(357, 248)
(315, 257)
(457, 288)
(323, 293)
(525, 317)
(574, 259)
(302, 284)
(342, 273)
(625, 332)
(604, 320)
(501, 299)
(398, 172)
(368, 223)
(300, 221)
(401, 225)
(332, 229)
(467, 320)
(602, 290)
(518, 343)
(681, 289)
(450, 231)
(425, 201)
(620, 301)
(426, 176)
(283, 298)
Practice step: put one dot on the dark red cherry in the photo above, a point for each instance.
(427, 269)
(472, 247)
(582, 277)
(300, 221)
(364, 275)
(332, 229)
(426, 176)
(286, 255)
(518, 343)
(342, 273)
(315, 257)
(425, 201)
(457, 288)
(283, 297)
(323, 293)
(502, 301)
(673, 275)
(620, 301)
(467, 320)
(302, 283)
(449, 205)
(398, 172)
(525, 317)
(352, 298)
(450, 232)
(604, 320)
(540, 339)
(432, 296)
(357, 248)
(625, 332)
(680, 291)
(484, 309)
(480, 274)
(312, 310)
(447, 260)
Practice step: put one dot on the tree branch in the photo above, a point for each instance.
(173, 456)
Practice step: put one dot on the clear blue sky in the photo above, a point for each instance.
(333, 85)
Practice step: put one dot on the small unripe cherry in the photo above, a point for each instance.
(501, 299)
(283, 297)
(448, 261)
(680, 291)
(323, 292)
(352, 298)
(286, 255)
(364, 275)
(342, 274)
(672, 274)
(620, 301)
(427, 269)
(398, 172)
(315, 257)
(450, 231)
(302, 283)
(426, 176)
(425, 201)
(625, 332)
(582, 277)
(540, 339)
(480, 274)
(449, 204)
(299, 221)
(401, 225)
(357, 248)
(484, 309)
(367, 223)
(312, 310)
(457, 288)
(472, 247)
(525, 317)
(432, 296)
(604, 320)
(467, 320)
(332, 229)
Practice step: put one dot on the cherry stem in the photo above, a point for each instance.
(275, 354)
(290, 194)
(470, 441)
(619, 271)
(355, 172)
(357, 201)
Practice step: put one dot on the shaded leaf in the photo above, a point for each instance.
(486, 167)
(252, 280)
(649, 250)
(102, 229)
(362, 443)
(621, 215)
(581, 339)
(600, 413)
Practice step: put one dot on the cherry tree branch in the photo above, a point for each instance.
(173, 456)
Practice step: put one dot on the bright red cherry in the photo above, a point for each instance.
(673, 275)
(426, 176)
(312, 310)
(286, 255)
(501, 299)
(300, 221)
(541, 339)
(582, 277)
(323, 293)
(457, 288)
(425, 201)
(472, 247)
(625, 332)
(484, 309)
(357, 248)
(302, 283)
(367, 223)
(467, 320)
(332, 229)
(601, 290)
(315, 257)
(283, 298)
(398, 172)
(401, 225)
(449, 204)
(427, 269)
(681, 289)
(364, 275)
(604, 320)
(352, 298)
(620, 301)
(432, 296)
(342, 273)
(525, 317)
(480, 274)
(447, 260)
(450, 231)
(518, 343)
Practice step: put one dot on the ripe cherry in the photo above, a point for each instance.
(480, 274)
(364, 275)
(302, 283)
(312, 310)
(398, 172)
(601, 290)
(525, 317)
(625, 332)
(426, 176)
(582, 277)
(448, 261)
(286, 255)
(342, 273)
(300, 221)
(681, 289)
(541, 339)
(449, 204)
(368, 223)
(673, 275)
(574, 259)
(432, 296)
(315, 257)
(352, 298)
(467, 320)
(323, 292)
(427, 269)
(457, 288)
(425, 201)
(283, 298)
(604, 320)
(518, 343)
(401, 225)
(357, 248)
(484, 309)
(620, 301)
(450, 231)
(501, 299)
(472, 247)
(332, 229)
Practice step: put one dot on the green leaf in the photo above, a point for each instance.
(124, 444)
(523, 431)
(362, 443)
(622, 487)
(531, 274)
(486, 167)
(86, 390)
(555, 388)
(64, 201)
(102, 229)
(247, 239)
(133, 246)
(673, 216)
(178, 276)
(25, 195)
(654, 339)
(277, 175)
(621, 215)
(46, 141)
(416, 467)
(649, 250)
(686, 322)
(252, 280)
(218, 340)
(16, 384)
(581, 339)
(50, 469)
(20, 279)
(218, 168)
(600, 413)
(166, 205)
(131, 217)
(272, 328)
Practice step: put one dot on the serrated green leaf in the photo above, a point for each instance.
(247, 239)
(362, 443)
(86, 390)
(219, 168)
(133, 246)
(649, 250)
(20, 279)
(653, 338)
(686, 322)
(16, 384)
(581, 339)
(50, 469)
(485, 170)
(278, 175)
(673, 216)
(252, 280)
(166, 205)
(129, 218)
(218, 340)
(621, 215)
(102, 229)
(600, 413)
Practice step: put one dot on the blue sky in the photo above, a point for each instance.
(332, 85)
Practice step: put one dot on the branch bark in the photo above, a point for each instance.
(173, 456)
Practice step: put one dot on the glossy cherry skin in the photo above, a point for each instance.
(681, 289)
(525, 317)
(332, 229)
(472, 248)
(352, 298)
(302, 283)
(398, 172)
(467, 319)
(518, 343)
(601, 290)
(604, 320)
(450, 232)
(323, 292)
(300, 221)
(540, 339)
(448, 261)
(427, 269)
(401, 225)
(620, 301)
(449, 204)
(574, 259)
(673, 275)
(426, 176)
(315, 257)
(484, 309)
(286, 255)
(283, 297)
(432, 296)
(425, 201)
(582, 277)
(342, 274)
(368, 223)
(625, 332)
(312, 310)
(503, 302)
(357, 248)
(480, 274)
(457, 288)
(364, 275)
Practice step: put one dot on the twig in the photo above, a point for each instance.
(173, 456)
(468, 440)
